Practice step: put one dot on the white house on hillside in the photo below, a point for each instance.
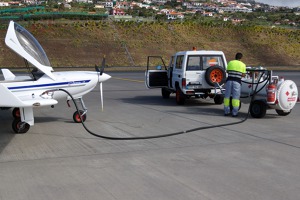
(235, 9)
(4, 4)
(174, 15)
(160, 1)
(147, 1)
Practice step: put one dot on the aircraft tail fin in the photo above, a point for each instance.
(7, 74)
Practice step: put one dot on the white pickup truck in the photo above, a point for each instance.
(189, 74)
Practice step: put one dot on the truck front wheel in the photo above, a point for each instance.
(180, 98)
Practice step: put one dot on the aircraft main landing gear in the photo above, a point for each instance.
(16, 113)
(20, 127)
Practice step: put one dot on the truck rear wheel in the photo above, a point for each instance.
(219, 99)
(165, 93)
(258, 109)
(180, 98)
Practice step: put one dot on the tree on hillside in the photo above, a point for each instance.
(172, 4)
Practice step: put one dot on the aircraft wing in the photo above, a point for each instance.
(8, 99)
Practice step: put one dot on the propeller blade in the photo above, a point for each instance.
(102, 66)
(101, 95)
(97, 68)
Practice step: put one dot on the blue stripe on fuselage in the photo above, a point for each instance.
(48, 85)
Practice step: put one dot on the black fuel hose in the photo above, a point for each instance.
(257, 91)
(162, 135)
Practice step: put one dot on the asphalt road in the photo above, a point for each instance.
(58, 159)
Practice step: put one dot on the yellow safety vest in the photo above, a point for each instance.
(236, 65)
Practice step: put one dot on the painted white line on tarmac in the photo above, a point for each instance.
(127, 79)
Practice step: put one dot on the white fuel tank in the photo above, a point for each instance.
(286, 95)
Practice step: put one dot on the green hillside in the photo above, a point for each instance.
(83, 43)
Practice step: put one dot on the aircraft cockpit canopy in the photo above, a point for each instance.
(31, 45)
(24, 44)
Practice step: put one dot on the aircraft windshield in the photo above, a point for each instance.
(31, 45)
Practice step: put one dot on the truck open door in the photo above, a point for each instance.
(156, 75)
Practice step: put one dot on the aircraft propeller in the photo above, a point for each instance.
(100, 74)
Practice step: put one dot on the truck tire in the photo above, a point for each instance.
(215, 74)
(219, 99)
(258, 109)
(180, 98)
(165, 93)
(282, 113)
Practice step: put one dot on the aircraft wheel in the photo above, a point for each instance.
(16, 113)
(20, 127)
(76, 116)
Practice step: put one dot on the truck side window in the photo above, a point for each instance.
(193, 63)
(179, 61)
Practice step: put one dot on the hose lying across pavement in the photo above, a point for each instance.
(162, 135)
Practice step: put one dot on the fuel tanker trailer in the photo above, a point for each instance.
(265, 91)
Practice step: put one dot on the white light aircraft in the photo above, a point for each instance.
(41, 86)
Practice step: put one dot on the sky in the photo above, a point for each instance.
(288, 3)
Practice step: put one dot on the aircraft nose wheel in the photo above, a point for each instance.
(20, 127)
(76, 116)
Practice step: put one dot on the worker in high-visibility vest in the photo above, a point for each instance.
(236, 69)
